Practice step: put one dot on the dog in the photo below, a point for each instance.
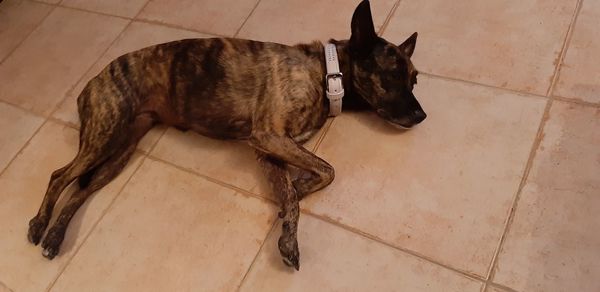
(273, 96)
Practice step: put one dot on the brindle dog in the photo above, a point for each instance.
(268, 94)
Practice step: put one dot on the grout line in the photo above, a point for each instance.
(508, 90)
(246, 20)
(577, 101)
(42, 2)
(213, 180)
(12, 160)
(502, 287)
(401, 249)
(92, 11)
(565, 47)
(271, 230)
(4, 286)
(512, 211)
(388, 18)
(322, 137)
(537, 142)
(37, 25)
(156, 22)
(104, 212)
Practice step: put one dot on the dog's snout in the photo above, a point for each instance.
(419, 115)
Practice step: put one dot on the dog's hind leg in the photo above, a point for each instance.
(281, 184)
(59, 180)
(103, 131)
(93, 181)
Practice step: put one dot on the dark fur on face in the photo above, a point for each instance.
(382, 73)
(269, 95)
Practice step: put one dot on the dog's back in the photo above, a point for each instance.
(213, 86)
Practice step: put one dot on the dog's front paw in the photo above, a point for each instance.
(52, 242)
(36, 230)
(288, 248)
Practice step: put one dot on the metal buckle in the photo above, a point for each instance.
(332, 75)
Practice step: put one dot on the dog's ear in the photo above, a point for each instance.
(408, 46)
(363, 36)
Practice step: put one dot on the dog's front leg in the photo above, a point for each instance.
(281, 184)
(286, 149)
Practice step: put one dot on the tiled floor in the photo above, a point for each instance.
(498, 190)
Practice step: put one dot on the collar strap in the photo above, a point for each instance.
(334, 88)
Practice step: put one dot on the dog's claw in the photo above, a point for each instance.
(49, 253)
(36, 230)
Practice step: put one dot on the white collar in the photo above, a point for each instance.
(334, 88)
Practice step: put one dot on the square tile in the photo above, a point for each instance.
(553, 243)
(17, 19)
(17, 127)
(138, 35)
(127, 8)
(232, 162)
(221, 17)
(505, 43)
(450, 180)
(579, 76)
(333, 259)
(171, 231)
(23, 184)
(51, 60)
(295, 21)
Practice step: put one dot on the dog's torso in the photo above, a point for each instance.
(221, 88)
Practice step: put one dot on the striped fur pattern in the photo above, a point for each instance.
(267, 94)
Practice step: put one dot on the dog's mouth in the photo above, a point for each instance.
(404, 123)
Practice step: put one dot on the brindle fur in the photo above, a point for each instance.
(268, 94)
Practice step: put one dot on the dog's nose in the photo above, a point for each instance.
(419, 116)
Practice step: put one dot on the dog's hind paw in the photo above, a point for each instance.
(288, 248)
(52, 242)
(36, 230)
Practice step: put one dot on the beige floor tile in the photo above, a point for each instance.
(4, 288)
(17, 19)
(579, 74)
(553, 244)
(171, 231)
(137, 35)
(41, 71)
(127, 8)
(512, 44)
(229, 161)
(221, 17)
(233, 162)
(333, 259)
(23, 184)
(290, 22)
(450, 180)
(17, 126)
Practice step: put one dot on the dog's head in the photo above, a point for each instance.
(382, 73)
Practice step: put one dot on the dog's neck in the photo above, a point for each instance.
(351, 101)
